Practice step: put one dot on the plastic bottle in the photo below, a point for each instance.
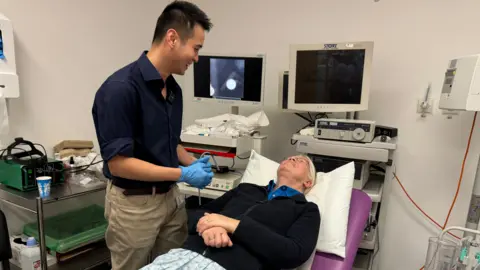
(30, 256)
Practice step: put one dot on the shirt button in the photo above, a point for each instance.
(274, 195)
(284, 188)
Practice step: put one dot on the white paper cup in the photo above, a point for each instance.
(43, 183)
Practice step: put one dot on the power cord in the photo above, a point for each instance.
(239, 157)
(15, 148)
(376, 168)
(84, 167)
(461, 171)
(310, 120)
(74, 169)
(377, 232)
(456, 193)
(321, 115)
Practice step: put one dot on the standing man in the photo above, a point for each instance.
(138, 119)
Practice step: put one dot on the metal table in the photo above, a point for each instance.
(31, 202)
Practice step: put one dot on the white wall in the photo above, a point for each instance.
(65, 49)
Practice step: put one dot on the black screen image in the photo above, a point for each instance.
(329, 76)
(232, 78)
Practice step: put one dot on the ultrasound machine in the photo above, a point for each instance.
(233, 80)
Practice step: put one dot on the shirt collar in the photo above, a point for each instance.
(299, 197)
(271, 185)
(149, 72)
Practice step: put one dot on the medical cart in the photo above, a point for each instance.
(29, 201)
(375, 151)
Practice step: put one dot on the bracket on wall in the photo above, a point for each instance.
(425, 105)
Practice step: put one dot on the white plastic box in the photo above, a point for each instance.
(461, 85)
(9, 86)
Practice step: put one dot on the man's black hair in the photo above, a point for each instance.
(181, 16)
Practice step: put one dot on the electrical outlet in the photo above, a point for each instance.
(425, 107)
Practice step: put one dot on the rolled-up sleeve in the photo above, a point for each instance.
(114, 114)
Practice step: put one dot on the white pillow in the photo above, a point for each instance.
(332, 193)
(260, 170)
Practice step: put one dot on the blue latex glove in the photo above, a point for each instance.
(196, 175)
(204, 160)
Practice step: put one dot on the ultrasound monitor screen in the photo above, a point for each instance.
(227, 78)
(329, 76)
(232, 78)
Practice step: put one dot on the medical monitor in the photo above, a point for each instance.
(333, 77)
(229, 79)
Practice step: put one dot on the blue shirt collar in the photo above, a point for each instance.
(283, 191)
(271, 186)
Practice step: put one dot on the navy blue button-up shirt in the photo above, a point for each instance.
(133, 119)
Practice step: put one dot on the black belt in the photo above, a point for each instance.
(160, 189)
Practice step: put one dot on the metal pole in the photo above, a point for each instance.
(41, 233)
(473, 216)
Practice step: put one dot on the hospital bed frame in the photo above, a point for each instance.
(360, 206)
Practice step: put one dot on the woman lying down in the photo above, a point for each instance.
(253, 227)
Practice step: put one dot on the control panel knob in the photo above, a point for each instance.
(359, 134)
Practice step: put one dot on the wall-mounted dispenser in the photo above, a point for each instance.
(9, 86)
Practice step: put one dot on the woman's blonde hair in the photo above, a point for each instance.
(312, 172)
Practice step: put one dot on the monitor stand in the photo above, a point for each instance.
(351, 115)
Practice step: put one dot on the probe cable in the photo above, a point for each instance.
(216, 166)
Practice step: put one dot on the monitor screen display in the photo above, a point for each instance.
(329, 76)
(231, 78)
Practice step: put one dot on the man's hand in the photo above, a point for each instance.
(204, 160)
(215, 220)
(216, 237)
(196, 175)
